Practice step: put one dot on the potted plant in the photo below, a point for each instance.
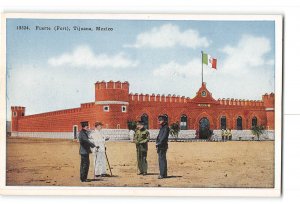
(131, 125)
(174, 130)
(257, 131)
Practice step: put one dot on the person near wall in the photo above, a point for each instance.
(162, 146)
(98, 138)
(229, 134)
(85, 150)
(141, 139)
(223, 134)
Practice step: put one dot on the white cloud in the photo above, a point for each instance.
(83, 56)
(249, 53)
(174, 70)
(244, 72)
(169, 35)
(34, 87)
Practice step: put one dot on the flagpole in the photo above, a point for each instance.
(202, 65)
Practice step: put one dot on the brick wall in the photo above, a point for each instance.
(116, 95)
(123, 135)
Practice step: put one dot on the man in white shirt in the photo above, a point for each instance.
(99, 139)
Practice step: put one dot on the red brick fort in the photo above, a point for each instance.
(114, 106)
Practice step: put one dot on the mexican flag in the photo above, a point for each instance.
(209, 61)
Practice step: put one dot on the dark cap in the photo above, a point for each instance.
(84, 124)
(162, 117)
(140, 122)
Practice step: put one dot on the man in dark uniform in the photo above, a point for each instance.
(162, 145)
(84, 151)
(141, 139)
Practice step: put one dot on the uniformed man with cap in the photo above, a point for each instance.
(141, 139)
(162, 145)
(84, 151)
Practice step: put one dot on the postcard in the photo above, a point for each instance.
(141, 104)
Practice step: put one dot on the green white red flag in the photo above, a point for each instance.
(209, 61)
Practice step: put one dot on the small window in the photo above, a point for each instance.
(15, 114)
(118, 126)
(106, 108)
(203, 93)
(124, 109)
(22, 114)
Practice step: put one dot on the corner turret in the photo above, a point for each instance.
(16, 113)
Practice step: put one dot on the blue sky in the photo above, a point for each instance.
(52, 70)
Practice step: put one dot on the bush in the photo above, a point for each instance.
(131, 125)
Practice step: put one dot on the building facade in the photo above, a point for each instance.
(114, 106)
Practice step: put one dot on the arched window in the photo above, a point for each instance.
(223, 122)
(239, 123)
(145, 119)
(254, 121)
(183, 122)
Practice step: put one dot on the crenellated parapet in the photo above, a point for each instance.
(111, 91)
(112, 85)
(135, 97)
(53, 113)
(18, 109)
(87, 105)
(269, 100)
(240, 102)
(203, 96)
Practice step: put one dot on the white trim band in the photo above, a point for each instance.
(269, 109)
(111, 102)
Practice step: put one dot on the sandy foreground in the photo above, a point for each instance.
(55, 162)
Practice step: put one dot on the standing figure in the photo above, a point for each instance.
(141, 139)
(229, 134)
(84, 151)
(223, 135)
(99, 154)
(162, 146)
(226, 134)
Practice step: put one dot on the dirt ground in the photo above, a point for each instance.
(55, 162)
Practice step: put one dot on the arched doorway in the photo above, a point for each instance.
(239, 123)
(204, 128)
(223, 123)
(254, 121)
(183, 122)
(145, 119)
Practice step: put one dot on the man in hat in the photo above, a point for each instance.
(162, 145)
(141, 139)
(84, 151)
(98, 138)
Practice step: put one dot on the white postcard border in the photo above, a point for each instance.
(149, 191)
